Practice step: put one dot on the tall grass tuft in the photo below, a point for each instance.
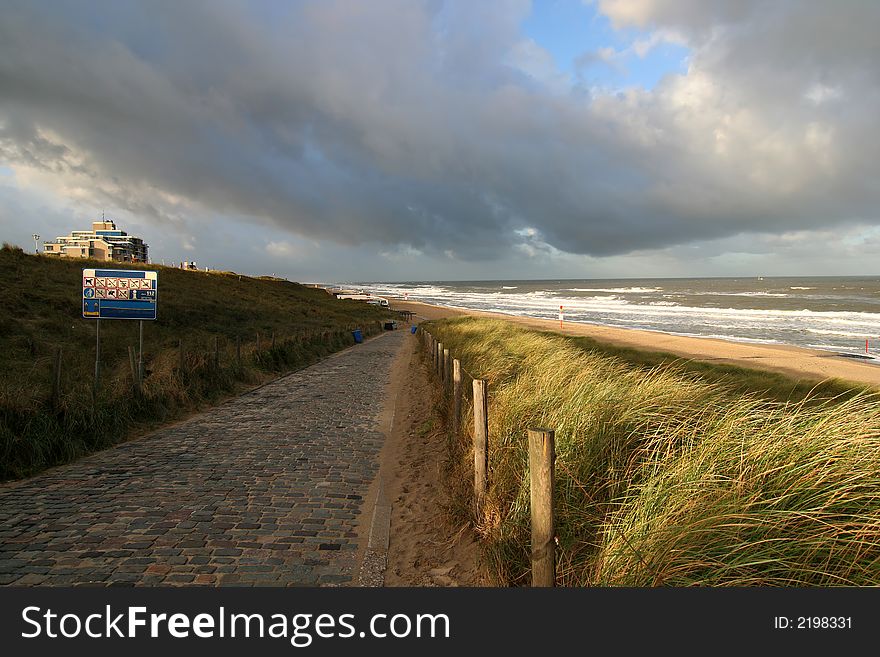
(665, 478)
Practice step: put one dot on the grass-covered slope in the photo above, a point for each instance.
(666, 476)
(41, 299)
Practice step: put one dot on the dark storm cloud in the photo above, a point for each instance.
(410, 123)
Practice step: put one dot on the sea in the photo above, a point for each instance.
(836, 314)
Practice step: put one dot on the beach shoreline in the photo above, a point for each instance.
(797, 362)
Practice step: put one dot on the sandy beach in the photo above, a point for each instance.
(797, 362)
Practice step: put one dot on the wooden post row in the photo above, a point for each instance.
(542, 457)
(447, 370)
(481, 443)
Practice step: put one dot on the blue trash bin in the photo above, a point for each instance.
(358, 336)
(412, 329)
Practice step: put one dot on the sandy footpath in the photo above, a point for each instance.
(797, 362)
(424, 549)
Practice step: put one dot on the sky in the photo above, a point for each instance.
(338, 140)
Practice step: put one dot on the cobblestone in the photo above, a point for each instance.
(266, 489)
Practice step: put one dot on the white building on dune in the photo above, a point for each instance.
(103, 242)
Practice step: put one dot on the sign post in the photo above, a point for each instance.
(97, 357)
(560, 317)
(140, 351)
(119, 294)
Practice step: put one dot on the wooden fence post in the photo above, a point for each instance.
(456, 397)
(56, 381)
(542, 457)
(447, 371)
(440, 361)
(481, 443)
(258, 342)
(135, 379)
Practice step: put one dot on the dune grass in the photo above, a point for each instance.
(41, 297)
(667, 475)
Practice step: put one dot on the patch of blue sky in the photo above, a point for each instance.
(580, 40)
(6, 172)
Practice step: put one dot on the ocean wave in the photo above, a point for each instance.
(616, 290)
(509, 287)
(843, 334)
(751, 294)
(729, 338)
(798, 287)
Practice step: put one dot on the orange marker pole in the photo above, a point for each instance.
(560, 316)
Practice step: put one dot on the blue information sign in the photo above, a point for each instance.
(119, 294)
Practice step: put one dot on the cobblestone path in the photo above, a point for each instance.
(266, 489)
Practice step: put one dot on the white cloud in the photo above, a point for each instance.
(819, 93)
(533, 60)
(402, 253)
(281, 249)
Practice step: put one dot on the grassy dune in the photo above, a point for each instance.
(41, 298)
(667, 475)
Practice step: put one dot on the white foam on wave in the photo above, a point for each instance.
(750, 294)
(843, 334)
(724, 336)
(615, 290)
